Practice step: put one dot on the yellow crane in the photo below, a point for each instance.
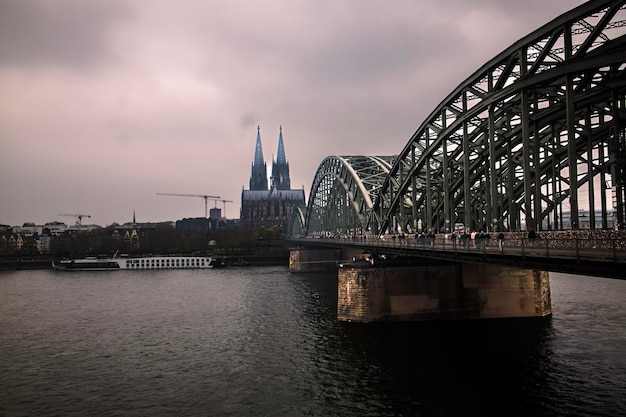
(205, 197)
(79, 217)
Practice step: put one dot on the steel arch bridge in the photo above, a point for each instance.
(535, 138)
(342, 195)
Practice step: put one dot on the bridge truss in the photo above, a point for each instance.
(533, 139)
(536, 138)
(342, 195)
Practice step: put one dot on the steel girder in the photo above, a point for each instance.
(535, 138)
(297, 228)
(343, 192)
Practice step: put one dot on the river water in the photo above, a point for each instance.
(265, 342)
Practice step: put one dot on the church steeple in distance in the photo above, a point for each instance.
(280, 167)
(280, 156)
(258, 179)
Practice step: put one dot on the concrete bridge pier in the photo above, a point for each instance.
(369, 293)
(313, 260)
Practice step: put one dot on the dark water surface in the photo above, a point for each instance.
(264, 342)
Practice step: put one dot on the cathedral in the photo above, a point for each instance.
(264, 206)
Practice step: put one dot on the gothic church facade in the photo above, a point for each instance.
(270, 206)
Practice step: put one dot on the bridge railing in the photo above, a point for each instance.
(608, 249)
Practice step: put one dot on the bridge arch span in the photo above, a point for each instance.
(535, 138)
(342, 194)
(297, 228)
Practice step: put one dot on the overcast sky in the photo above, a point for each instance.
(105, 103)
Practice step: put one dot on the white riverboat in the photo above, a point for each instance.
(144, 262)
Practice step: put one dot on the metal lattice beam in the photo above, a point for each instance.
(342, 194)
(535, 138)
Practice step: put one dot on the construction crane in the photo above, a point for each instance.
(224, 202)
(205, 197)
(79, 217)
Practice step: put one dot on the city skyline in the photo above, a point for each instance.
(106, 104)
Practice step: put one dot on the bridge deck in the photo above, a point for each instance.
(595, 257)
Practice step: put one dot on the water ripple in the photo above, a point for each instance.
(264, 342)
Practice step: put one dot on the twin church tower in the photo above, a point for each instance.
(280, 168)
(264, 206)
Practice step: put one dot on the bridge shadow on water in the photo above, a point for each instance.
(448, 367)
(436, 368)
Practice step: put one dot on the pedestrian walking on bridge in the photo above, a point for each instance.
(500, 238)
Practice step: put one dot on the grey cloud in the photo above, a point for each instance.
(247, 120)
(56, 33)
(183, 85)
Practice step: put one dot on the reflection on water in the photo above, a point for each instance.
(264, 342)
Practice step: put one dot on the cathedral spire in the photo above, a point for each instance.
(280, 168)
(258, 153)
(280, 156)
(258, 179)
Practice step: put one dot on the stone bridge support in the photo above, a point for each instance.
(369, 293)
(313, 260)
